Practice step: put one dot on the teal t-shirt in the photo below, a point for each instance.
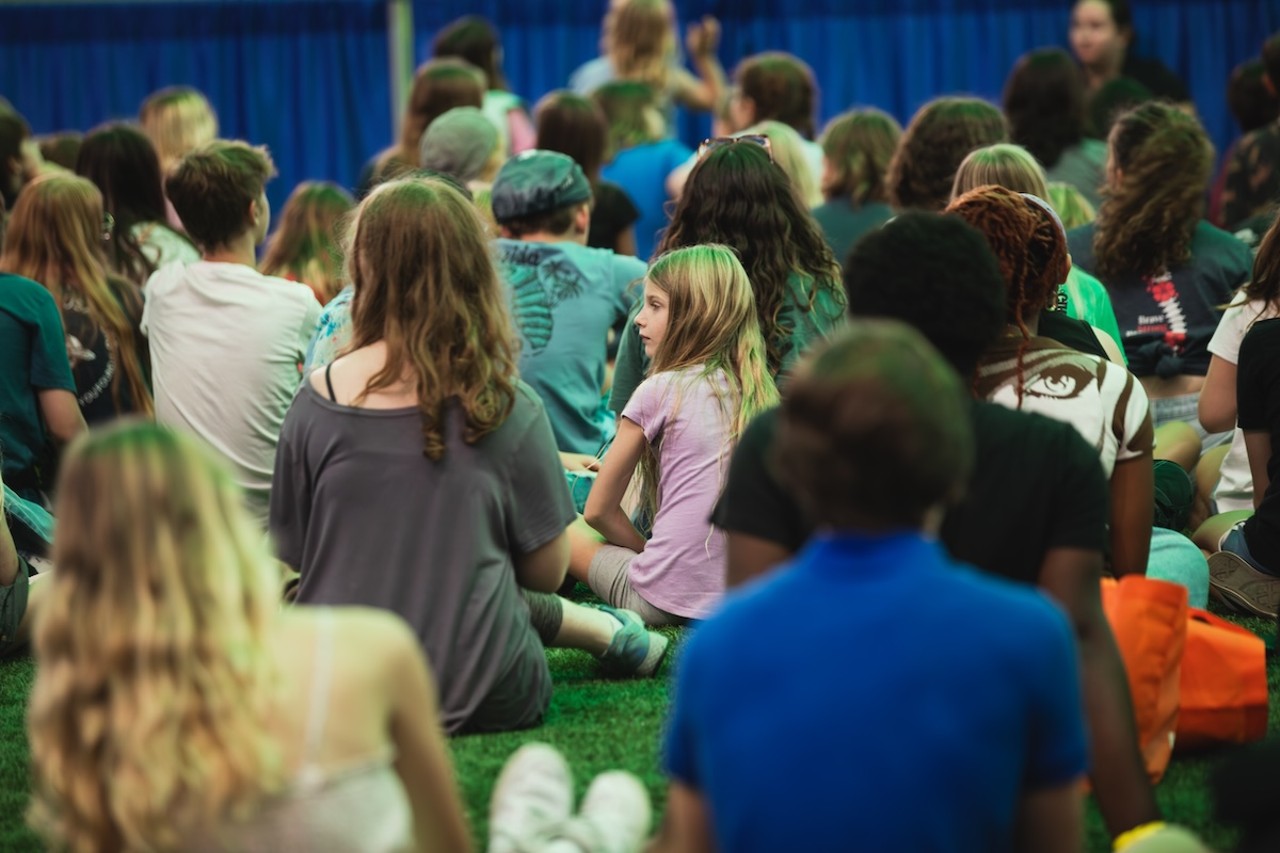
(33, 357)
(1088, 300)
(807, 323)
(565, 298)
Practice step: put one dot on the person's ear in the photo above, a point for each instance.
(582, 219)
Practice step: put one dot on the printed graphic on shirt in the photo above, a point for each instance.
(540, 279)
(1171, 322)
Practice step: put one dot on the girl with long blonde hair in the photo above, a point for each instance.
(175, 707)
(307, 246)
(57, 236)
(708, 378)
(418, 474)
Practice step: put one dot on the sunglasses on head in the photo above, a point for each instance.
(715, 142)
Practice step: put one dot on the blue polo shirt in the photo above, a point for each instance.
(876, 695)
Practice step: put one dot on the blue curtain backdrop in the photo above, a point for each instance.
(310, 78)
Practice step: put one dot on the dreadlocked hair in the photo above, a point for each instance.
(1031, 250)
(1161, 159)
(736, 196)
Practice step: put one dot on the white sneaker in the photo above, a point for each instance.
(534, 793)
(615, 815)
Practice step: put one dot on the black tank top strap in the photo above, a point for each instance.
(328, 381)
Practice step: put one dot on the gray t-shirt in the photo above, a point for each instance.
(367, 519)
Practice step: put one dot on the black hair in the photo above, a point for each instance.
(1044, 102)
(121, 161)
(873, 432)
(1252, 104)
(14, 131)
(474, 39)
(1114, 98)
(936, 273)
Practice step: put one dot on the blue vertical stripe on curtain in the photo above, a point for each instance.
(894, 54)
(310, 78)
(306, 79)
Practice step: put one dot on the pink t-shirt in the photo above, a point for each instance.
(681, 569)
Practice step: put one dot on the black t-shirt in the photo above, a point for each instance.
(1037, 486)
(102, 387)
(612, 213)
(1166, 321)
(1070, 332)
(1258, 408)
(1156, 76)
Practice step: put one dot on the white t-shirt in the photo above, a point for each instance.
(227, 344)
(161, 245)
(1104, 402)
(1235, 486)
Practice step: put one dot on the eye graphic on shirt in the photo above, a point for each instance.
(1063, 380)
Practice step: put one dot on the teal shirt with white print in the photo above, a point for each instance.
(565, 298)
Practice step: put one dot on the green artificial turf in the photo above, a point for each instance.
(600, 725)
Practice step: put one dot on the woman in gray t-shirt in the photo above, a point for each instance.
(418, 474)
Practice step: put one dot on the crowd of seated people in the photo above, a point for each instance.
(292, 500)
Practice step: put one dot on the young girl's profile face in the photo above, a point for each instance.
(651, 322)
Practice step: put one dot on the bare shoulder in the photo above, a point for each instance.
(371, 634)
(374, 629)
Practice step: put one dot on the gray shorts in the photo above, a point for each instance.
(609, 577)
(13, 606)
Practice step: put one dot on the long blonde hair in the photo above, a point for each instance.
(177, 119)
(308, 243)
(639, 38)
(427, 286)
(153, 685)
(55, 237)
(712, 328)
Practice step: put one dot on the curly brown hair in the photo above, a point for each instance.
(939, 136)
(737, 196)
(426, 286)
(1161, 160)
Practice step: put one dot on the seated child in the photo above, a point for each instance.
(708, 378)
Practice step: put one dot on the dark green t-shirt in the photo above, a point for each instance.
(33, 357)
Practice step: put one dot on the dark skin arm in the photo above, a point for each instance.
(1120, 785)
(750, 557)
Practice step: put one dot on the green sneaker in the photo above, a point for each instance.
(634, 650)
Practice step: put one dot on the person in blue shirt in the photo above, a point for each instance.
(809, 715)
